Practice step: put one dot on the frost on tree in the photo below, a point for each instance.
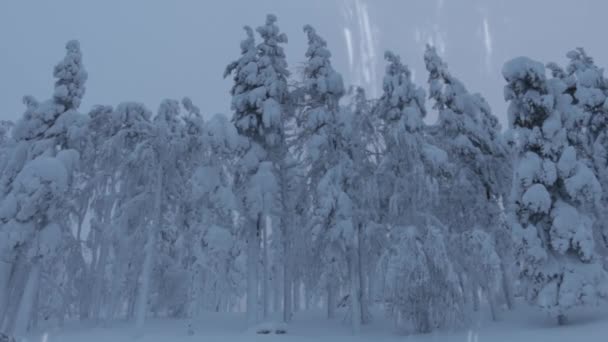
(553, 196)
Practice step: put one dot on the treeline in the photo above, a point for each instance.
(311, 195)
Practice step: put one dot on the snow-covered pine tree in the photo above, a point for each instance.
(407, 180)
(322, 89)
(117, 200)
(420, 281)
(36, 184)
(586, 120)
(471, 196)
(259, 98)
(369, 148)
(207, 240)
(165, 186)
(97, 182)
(247, 120)
(552, 198)
(6, 148)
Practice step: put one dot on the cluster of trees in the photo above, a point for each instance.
(312, 195)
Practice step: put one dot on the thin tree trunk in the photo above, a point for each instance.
(16, 285)
(142, 300)
(306, 294)
(331, 300)
(297, 301)
(371, 288)
(491, 303)
(277, 277)
(99, 277)
(506, 286)
(193, 295)
(266, 271)
(355, 295)
(34, 313)
(144, 283)
(5, 276)
(287, 286)
(115, 296)
(365, 314)
(26, 305)
(475, 294)
(253, 253)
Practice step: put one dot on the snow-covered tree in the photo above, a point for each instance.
(586, 120)
(553, 195)
(420, 280)
(259, 99)
(407, 180)
(322, 90)
(207, 243)
(36, 184)
(117, 200)
(471, 196)
(402, 174)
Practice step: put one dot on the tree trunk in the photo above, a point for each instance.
(99, 278)
(253, 255)
(277, 288)
(144, 282)
(365, 314)
(34, 314)
(355, 291)
(475, 295)
(266, 271)
(150, 251)
(5, 276)
(562, 319)
(371, 285)
(506, 286)
(287, 288)
(26, 305)
(193, 294)
(115, 295)
(331, 300)
(306, 295)
(492, 303)
(297, 300)
(17, 282)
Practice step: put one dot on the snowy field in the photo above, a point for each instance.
(521, 325)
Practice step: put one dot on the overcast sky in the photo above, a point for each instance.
(148, 50)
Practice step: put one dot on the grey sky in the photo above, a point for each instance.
(149, 50)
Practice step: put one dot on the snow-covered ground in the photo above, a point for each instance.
(522, 325)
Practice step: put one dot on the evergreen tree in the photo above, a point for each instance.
(552, 196)
(470, 198)
(586, 119)
(407, 181)
(259, 101)
(37, 183)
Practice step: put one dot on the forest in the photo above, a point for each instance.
(308, 194)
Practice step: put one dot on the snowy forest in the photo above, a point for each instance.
(308, 195)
